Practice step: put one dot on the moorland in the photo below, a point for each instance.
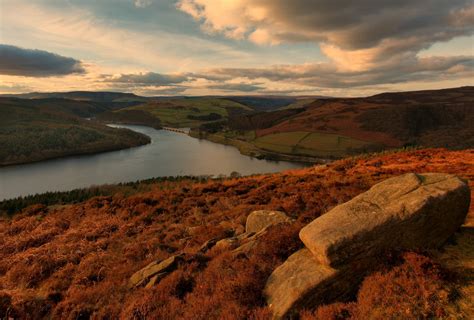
(70, 255)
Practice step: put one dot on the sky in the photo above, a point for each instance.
(236, 47)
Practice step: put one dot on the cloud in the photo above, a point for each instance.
(327, 75)
(356, 35)
(147, 79)
(142, 3)
(17, 61)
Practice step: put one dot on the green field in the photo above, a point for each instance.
(310, 144)
(281, 142)
(180, 112)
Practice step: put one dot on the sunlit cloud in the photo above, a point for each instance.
(237, 47)
(142, 3)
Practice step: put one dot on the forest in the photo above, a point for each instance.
(35, 130)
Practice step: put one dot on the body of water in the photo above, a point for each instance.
(169, 154)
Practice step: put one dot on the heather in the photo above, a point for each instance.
(74, 260)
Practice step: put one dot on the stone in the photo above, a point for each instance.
(156, 268)
(407, 212)
(155, 279)
(227, 243)
(206, 246)
(302, 282)
(259, 220)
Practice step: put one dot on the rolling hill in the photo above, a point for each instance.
(99, 96)
(337, 127)
(39, 129)
(182, 112)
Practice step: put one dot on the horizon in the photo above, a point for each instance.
(225, 96)
(196, 48)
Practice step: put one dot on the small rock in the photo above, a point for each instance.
(259, 220)
(155, 279)
(155, 268)
(208, 245)
(228, 243)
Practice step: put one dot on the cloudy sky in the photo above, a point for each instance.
(199, 47)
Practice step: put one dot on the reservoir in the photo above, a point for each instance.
(169, 154)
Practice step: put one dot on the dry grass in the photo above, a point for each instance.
(74, 261)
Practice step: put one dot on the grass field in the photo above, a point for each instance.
(310, 143)
(177, 112)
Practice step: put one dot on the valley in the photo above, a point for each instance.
(300, 129)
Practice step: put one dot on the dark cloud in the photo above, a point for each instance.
(326, 75)
(17, 61)
(147, 79)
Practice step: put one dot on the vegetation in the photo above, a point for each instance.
(339, 127)
(32, 130)
(138, 117)
(74, 261)
(264, 103)
(186, 112)
(10, 206)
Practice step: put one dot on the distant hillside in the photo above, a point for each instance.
(82, 95)
(264, 103)
(335, 127)
(34, 130)
(67, 260)
(182, 112)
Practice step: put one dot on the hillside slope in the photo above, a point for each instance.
(34, 130)
(337, 127)
(181, 112)
(74, 261)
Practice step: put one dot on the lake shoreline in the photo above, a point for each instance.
(248, 149)
(169, 154)
(144, 140)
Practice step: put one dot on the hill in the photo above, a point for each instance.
(99, 96)
(337, 127)
(74, 260)
(34, 130)
(182, 112)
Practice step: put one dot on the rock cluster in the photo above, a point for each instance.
(256, 226)
(407, 212)
(154, 272)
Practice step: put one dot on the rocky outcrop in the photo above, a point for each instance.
(256, 225)
(154, 272)
(406, 212)
(259, 220)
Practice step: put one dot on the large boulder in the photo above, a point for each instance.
(302, 282)
(405, 212)
(259, 220)
(154, 272)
